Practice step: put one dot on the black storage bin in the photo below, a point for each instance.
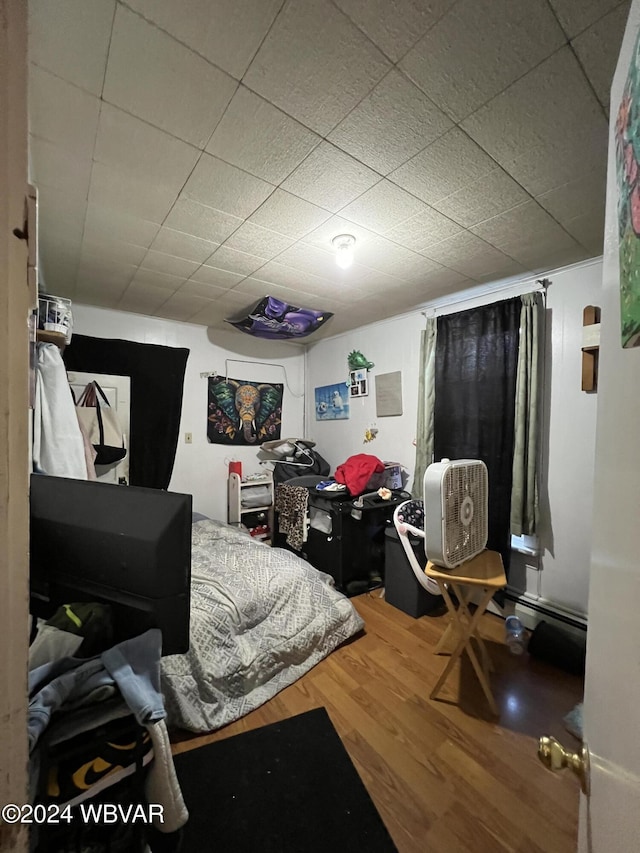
(402, 588)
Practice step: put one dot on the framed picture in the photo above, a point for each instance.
(358, 383)
(627, 137)
(332, 402)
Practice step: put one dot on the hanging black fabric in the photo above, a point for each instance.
(476, 361)
(157, 378)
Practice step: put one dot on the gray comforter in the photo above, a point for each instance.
(260, 618)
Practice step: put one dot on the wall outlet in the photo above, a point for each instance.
(188, 438)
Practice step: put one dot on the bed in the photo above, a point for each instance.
(260, 618)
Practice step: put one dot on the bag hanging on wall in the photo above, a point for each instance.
(102, 425)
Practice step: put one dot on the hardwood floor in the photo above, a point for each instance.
(445, 775)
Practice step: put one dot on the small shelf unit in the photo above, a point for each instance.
(250, 504)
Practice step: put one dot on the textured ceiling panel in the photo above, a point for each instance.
(289, 215)
(390, 125)
(534, 128)
(63, 114)
(597, 50)
(315, 64)
(480, 47)
(226, 32)
(330, 178)
(217, 184)
(575, 16)
(394, 25)
(152, 76)
(71, 39)
(193, 156)
(383, 207)
(261, 139)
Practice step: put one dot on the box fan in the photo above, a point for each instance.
(456, 511)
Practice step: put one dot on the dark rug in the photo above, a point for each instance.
(289, 787)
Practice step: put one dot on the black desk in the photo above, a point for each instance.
(353, 551)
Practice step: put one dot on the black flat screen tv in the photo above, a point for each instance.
(126, 546)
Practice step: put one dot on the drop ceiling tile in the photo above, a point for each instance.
(255, 240)
(315, 65)
(394, 25)
(524, 233)
(423, 230)
(588, 229)
(201, 221)
(317, 262)
(390, 125)
(335, 225)
(472, 257)
(213, 314)
(124, 253)
(381, 254)
(201, 288)
(105, 223)
(534, 128)
(152, 76)
(182, 306)
(143, 298)
(220, 278)
(259, 138)
(94, 270)
(414, 268)
(226, 258)
(101, 295)
(128, 194)
(586, 192)
(158, 279)
(330, 178)
(449, 164)
(478, 48)
(58, 276)
(289, 215)
(489, 196)
(256, 288)
(182, 245)
(169, 264)
(71, 39)
(53, 166)
(62, 113)
(383, 207)
(226, 32)
(576, 15)
(61, 212)
(219, 185)
(598, 49)
(285, 276)
(128, 144)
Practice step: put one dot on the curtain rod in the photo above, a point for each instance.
(543, 285)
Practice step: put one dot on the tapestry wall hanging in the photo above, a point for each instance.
(277, 320)
(627, 136)
(243, 413)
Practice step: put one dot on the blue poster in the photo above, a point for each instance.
(332, 402)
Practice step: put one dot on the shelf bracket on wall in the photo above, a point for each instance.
(590, 348)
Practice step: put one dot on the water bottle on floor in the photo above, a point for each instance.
(514, 635)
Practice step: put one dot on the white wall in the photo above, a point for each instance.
(568, 491)
(201, 468)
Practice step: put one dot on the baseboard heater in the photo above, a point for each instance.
(545, 610)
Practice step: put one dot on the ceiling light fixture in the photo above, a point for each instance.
(343, 244)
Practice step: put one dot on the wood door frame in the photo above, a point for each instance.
(16, 300)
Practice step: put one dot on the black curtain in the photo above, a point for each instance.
(157, 378)
(475, 389)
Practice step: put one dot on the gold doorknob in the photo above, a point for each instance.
(555, 758)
